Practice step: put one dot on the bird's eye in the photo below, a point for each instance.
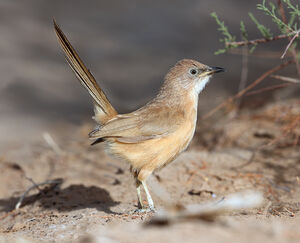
(193, 71)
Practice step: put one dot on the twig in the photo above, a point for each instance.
(273, 87)
(281, 10)
(258, 53)
(244, 72)
(286, 130)
(259, 41)
(266, 210)
(292, 214)
(249, 161)
(290, 43)
(287, 79)
(33, 183)
(52, 144)
(19, 203)
(293, 51)
(249, 87)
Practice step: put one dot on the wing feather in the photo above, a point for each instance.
(139, 126)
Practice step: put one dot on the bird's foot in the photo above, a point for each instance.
(145, 210)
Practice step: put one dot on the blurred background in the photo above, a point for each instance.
(128, 45)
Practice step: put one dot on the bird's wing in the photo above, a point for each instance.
(137, 127)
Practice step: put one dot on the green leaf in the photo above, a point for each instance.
(227, 37)
(252, 48)
(263, 30)
(243, 31)
(221, 51)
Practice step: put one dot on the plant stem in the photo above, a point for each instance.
(291, 39)
(259, 41)
(249, 87)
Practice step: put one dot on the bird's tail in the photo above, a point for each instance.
(104, 111)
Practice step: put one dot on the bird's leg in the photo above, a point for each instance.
(138, 190)
(149, 198)
(140, 208)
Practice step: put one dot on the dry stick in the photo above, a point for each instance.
(258, 53)
(249, 87)
(244, 72)
(19, 203)
(52, 144)
(290, 43)
(281, 10)
(293, 51)
(287, 79)
(273, 87)
(33, 183)
(285, 133)
(262, 77)
(266, 210)
(259, 41)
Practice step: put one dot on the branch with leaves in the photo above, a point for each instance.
(288, 29)
(262, 40)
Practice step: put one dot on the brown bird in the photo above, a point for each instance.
(154, 135)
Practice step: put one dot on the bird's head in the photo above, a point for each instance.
(191, 75)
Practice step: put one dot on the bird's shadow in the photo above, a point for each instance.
(66, 199)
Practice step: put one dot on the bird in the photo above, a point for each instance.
(154, 135)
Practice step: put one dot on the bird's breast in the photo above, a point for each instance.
(158, 152)
(179, 140)
(186, 131)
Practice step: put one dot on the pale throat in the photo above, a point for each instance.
(200, 85)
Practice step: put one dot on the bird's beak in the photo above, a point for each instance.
(212, 70)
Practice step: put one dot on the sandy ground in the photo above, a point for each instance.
(96, 199)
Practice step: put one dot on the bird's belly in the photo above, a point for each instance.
(154, 153)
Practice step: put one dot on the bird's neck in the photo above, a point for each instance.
(177, 94)
(177, 97)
